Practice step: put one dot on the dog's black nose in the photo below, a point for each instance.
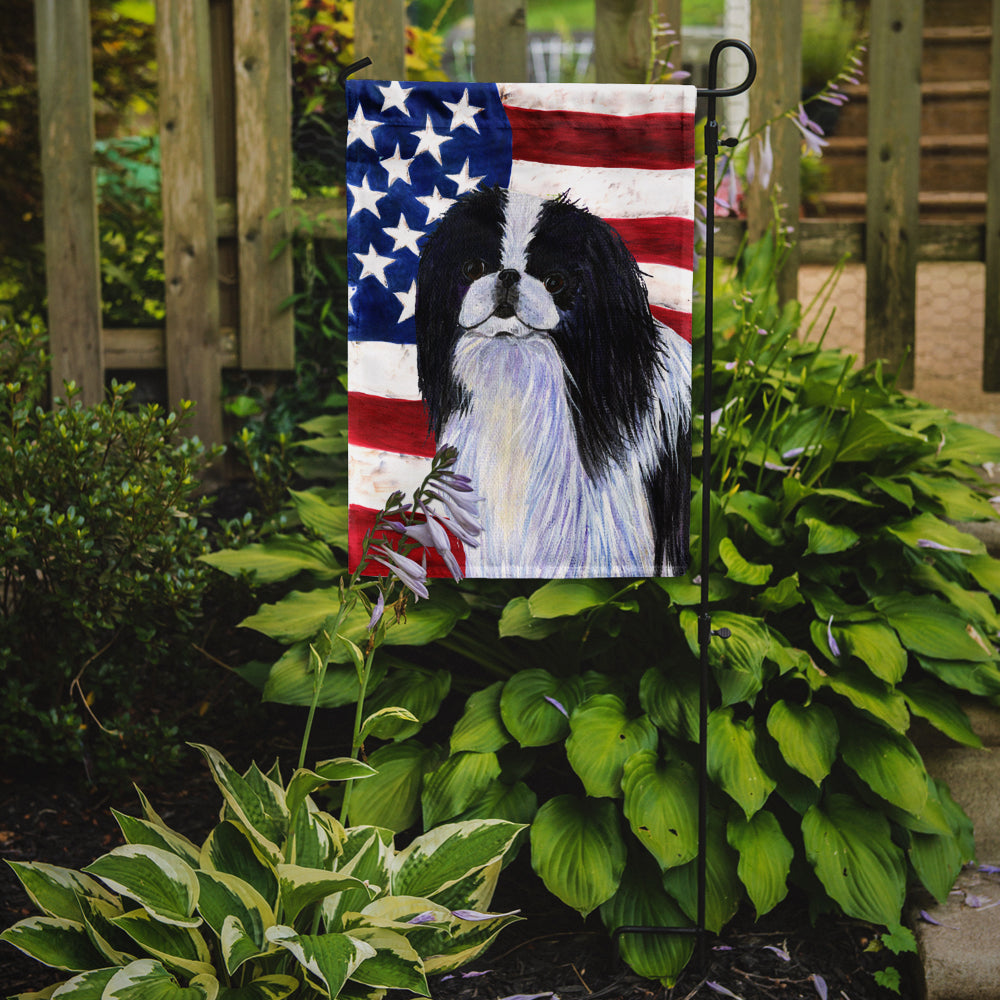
(508, 277)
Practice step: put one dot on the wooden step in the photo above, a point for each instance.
(957, 206)
(940, 13)
(956, 53)
(945, 103)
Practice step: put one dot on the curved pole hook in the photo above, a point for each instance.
(353, 68)
(713, 69)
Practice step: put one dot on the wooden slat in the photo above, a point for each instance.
(893, 184)
(380, 34)
(72, 257)
(776, 35)
(262, 61)
(621, 40)
(190, 254)
(144, 348)
(501, 41)
(991, 333)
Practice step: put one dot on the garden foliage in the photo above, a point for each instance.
(99, 545)
(855, 604)
(280, 899)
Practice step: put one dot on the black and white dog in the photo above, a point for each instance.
(569, 404)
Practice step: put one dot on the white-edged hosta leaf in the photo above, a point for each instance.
(384, 724)
(238, 945)
(315, 838)
(851, 850)
(300, 887)
(602, 737)
(765, 858)
(158, 880)
(440, 858)
(367, 856)
(456, 784)
(329, 959)
(732, 760)
(98, 916)
(229, 848)
(535, 706)
(273, 987)
(86, 986)
(391, 798)
(888, 763)
(177, 947)
(641, 901)
(54, 941)
(304, 781)
(56, 891)
(807, 736)
(578, 851)
(142, 831)
(225, 896)
(147, 979)
(465, 941)
(661, 798)
(395, 964)
(481, 727)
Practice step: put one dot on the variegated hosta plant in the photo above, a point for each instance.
(279, 900)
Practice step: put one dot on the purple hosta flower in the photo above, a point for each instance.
(719, 988)
(812, 134)
(377, 612)
(475, 915)
(460, 500)
(820, 983)
(927, 543)
(727, 197)
(558, 705)
(431, 535)
(411, 574)
(761, 163)
(780, 952)
(465, 975)
(834, 648)
(989, 869)
(427, 917)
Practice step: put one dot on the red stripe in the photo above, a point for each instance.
(658, 239)
(397, 425)
(679, 322)
(361, 520)
(584, 139)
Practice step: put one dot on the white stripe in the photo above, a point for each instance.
(373, 475)
(668, 286)
(614, 192)
(379, 368)
(600, 98)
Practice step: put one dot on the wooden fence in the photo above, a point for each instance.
(226, 160)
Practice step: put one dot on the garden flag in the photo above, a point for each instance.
(520, 277)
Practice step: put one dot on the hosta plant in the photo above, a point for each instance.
(279, 900)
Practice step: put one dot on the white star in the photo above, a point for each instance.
(374, 264)
(436, 204)
(403, 236)
(360, 128)
(351, 289)
(395, 97)
(397, 167)
(464, 181)
(409, 300)
(365, 197)
(463, 113)
(430, 141)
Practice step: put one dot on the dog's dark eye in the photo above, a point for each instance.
(473, 269)
(555, 282)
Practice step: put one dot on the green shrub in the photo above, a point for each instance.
(99, 539)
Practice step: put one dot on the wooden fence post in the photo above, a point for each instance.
(893, 183)
(501, 40)
(262, 60)
(991, 333)
(622, 40)
(190, 251)
(72, 255)
(380, 34)
(776, 34)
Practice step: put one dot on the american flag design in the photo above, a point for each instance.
(625, 153)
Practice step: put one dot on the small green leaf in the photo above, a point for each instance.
(325, 519)
(739, 569)
(535, 706)
(732, 760)
(481, 727)
(456, 784)
(765, 858)
(559, 598)
(384, 723)
(807, 736)
(391, 798)
(827, 539)
(888, 763)
(517, 620)
(671, 699)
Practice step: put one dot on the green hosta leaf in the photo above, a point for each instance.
(641, 901)
(957, 501)
(928, 528)
(530, 706)
(325, 519)
(558, 598)
(807, 736)
(456, 784)
(367, 853)
(870, 436)
(395, 964)
(937, 859)
(180, 948)
(661, 799)
(974, 604)
(941, 709)
(671, 699)
(850, 847)
(438, 859)
(888, 763)
(783, 595)
(391, 798)
(827, 539)
(330, 959)
(275, 987)
(386, 723)
(752, 574)
(279, 558)
(516, 803)
(230, 849)
(986, 571)
(54, 941)
(976, 678)
(147, 979)
(225, 897)
(578, 851)
(417, 690)
(602, 738)
(965, 443)
(723, 889)
(931, 628)
(301, 887)
(141, 831)
(517, 620)
(765, 858)
(159, 881)
(866, 692)
(56, 891)
(738, 661)
(683, 591)
(304, 782)
(893, 488)
(481, 728)
(732, 760)
(292, 680)
(758, 511)
(876, 646)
